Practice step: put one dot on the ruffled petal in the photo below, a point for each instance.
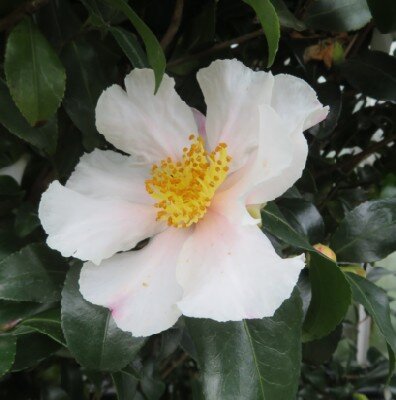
(232, 93)
(139, 287)
(150, 127)
(104, 174)
(231, 272)
(296, 102)
(93, 229)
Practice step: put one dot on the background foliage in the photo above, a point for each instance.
(56, 58)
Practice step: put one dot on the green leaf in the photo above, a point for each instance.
(251, 359)
(34, 73)
(31, 349)
(375, 301)
(130, 46)
(125, 384)
(106, 347)
(26, 219)
(155, 55)
(384, 14)
(337, 15)
(12, 312)
(286, 17)
(367, 233)
(331, 297)
(35, 273)
(7, 353)
(85, 82)
(373, 73)
(274, 222)
(270, 23)
(43, 138)
(49, 323)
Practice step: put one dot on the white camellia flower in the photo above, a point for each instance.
(187, 184)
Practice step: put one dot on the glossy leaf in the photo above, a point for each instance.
(43, 138)
(286, 17)
(270, 23)
(155, 55)
(373, 73)
(337, 15)
(7, 353)
(251, 359)
(34, 73)
(367, 233)
(130, 46)
(375, 301)
(331, 297)
(125, 384)
(106, 347)
(39, 280)
(275, 223)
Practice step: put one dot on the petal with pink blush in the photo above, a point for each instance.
(231, 272)
(232, 93)
(105, 173)
(93, 229)
(139, 287)
(147, 126)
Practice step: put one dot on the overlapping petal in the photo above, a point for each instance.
(139, 287)
(231, 272)
(93, 229)
(232, 93)
(147, 126)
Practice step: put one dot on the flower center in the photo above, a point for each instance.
(184, 189)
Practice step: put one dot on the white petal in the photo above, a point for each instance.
(150, 127)
(296, 102)
(93, 229)
(139, 286)
(230, 272)
(17, 169)
(232, 93)
(102, 174)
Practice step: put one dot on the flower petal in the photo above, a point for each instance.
(150, 127)
(231, 272)
(93, 229)
(296, 102)
(139, 286)
(102, 174)
(232, 93)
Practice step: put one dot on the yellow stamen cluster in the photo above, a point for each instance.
(184, 189)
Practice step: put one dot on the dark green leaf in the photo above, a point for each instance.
(304, 217)
(34, 73)
(286, 17)
(155, 55)
(373, 73)
(44, 137)
(82, 91)
(7, 352)
(35, 273)
(12, 312)
(367, 233)
(31, 349)
(49, 323)
(331, 297)
(130, 46)
(106, 347)
(274, 222)
(319, 351)
(252, 359)
(384, 14)
(26, 220)
(125, 385)
(337, 15)
(270, 23)
(375, 301)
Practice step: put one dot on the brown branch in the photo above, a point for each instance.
(355, 160)
(26, 8)
(217, 47)
(174, 24)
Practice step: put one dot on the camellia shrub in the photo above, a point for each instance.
(197, 199)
